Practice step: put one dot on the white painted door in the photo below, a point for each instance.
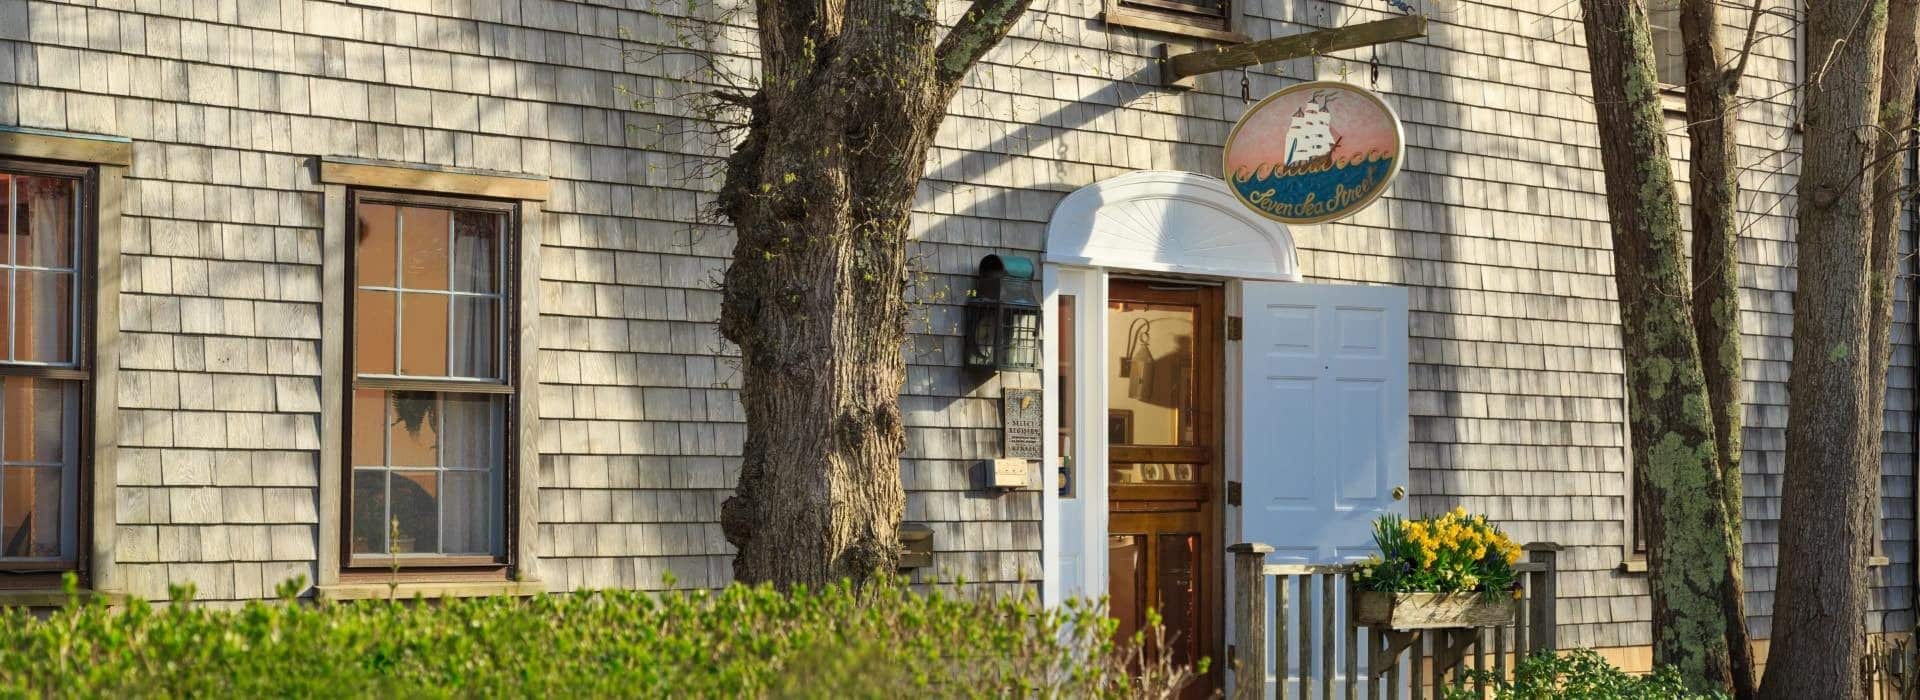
(1323, 416)
(1323, 426)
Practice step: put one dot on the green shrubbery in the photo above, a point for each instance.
(738, 642)
(1578, 674)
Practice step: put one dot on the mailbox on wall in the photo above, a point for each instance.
(1003, 316)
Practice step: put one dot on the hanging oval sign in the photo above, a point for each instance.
(1314, 152)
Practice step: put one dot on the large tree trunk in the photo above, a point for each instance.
(1675, 456)
(1901, 69)
(1713, 169)
(1832, 482)
(819, 193)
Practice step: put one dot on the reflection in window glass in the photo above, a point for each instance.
(1153, 473)
(429, 409)
(445, 317)
(1069, 396)
(1179, 603)
(426, 480)
(41, 220)
(1127, 582)
(1150, 400)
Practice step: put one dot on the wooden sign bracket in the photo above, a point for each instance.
(1178, 71)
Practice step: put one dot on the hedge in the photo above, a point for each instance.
(884, 641)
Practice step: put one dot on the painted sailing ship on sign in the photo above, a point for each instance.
(1314, 152)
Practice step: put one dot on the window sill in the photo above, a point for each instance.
(1878, 561)
(406, 591)
(1673, 99)
(51, 597)
(1123, 18)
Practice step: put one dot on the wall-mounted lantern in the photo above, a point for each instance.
(1003, 316)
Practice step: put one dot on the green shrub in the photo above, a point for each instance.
(885, 641)
(1578, 674)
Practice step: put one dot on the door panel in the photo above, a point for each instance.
(1323, 416)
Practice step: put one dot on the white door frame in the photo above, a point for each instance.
(1163, 222)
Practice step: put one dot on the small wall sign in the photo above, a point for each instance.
(1021, 429)
(1314, 152)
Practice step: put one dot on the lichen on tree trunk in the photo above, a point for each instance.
(819, 193)
(1682, 488)
(1713, 118)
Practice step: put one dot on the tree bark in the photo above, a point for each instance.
(1713, 178)
(1832, 484)
(1681, 486)
(819, 192)
(1901, 68)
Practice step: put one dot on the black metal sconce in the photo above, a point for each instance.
(1003, 316)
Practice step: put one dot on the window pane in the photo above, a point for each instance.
(43, 221)
(468, 518)
(476, 333)
(424, 248)
(1069, 381)
(476, 238)
(369, 511)
(1179, 601)
(416, 511)
(43, 316)
(1152, 369)
(470, 431)
(35, 418)
(1153, 473)
(1127, 582)
(369, 423)
(423, 339)
(30, 512)
(415, 430)
(373, 328)
(374, 255)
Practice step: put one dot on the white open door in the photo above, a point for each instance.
(1323, 416)
(1323, 430)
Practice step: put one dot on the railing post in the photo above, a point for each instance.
(1250, 620)
(1542, 609)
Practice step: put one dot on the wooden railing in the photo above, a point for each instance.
(1293, 627)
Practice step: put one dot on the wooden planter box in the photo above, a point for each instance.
(1419, 611)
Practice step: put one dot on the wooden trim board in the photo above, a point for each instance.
(439, 180)
(71, 147)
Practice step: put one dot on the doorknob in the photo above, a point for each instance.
(1399, 493)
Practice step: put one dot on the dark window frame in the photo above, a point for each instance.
(363, 567)
(45, 573)
(1176, 17)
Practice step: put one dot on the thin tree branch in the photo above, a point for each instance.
(1739, 68)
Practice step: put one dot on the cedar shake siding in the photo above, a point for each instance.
(1497, 226)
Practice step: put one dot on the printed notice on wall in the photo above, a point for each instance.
(1021, 429)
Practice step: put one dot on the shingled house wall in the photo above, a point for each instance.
(1497, 226)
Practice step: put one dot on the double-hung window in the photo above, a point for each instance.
(43, 368)
(431, 317)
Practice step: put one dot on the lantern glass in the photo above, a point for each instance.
(1019, 339)
(982, 323)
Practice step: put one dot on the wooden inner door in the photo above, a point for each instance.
(1165, 476)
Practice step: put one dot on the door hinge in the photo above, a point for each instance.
(1233, 661)
(1233, 328)
(1233, 493)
